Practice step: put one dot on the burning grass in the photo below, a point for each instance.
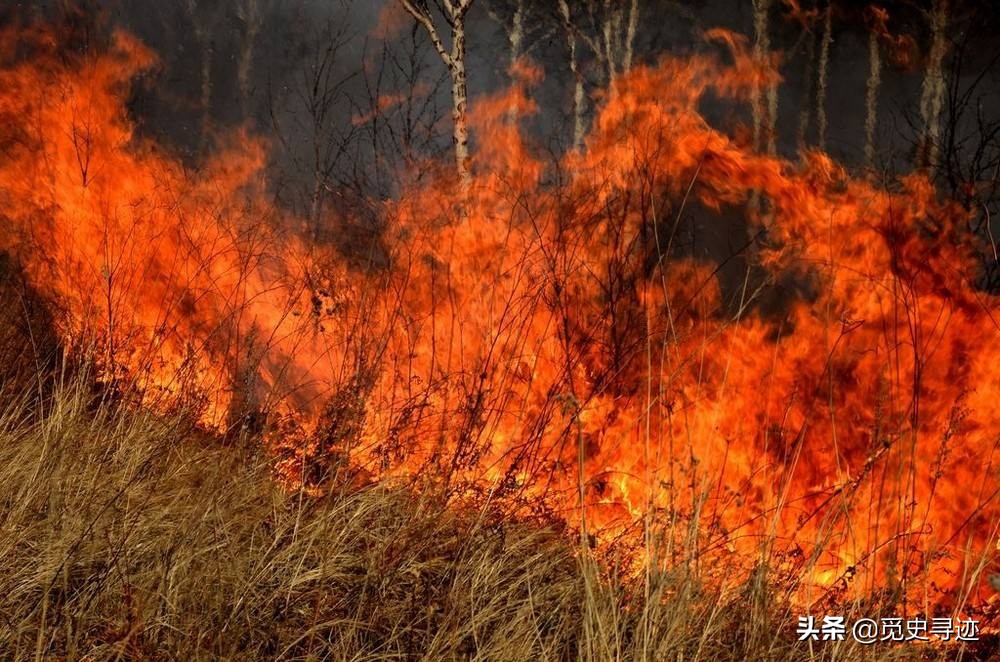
(129, 535)
(534, 349)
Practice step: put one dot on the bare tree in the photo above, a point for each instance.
(202, 28)
(574, 67)
(308, 117)
(809, 61)
(933, 89)
(515, 28)
(967, 150)
(764, 105)
(401, 112)
(454, 12)
(611, 38)
(249, 12)
(618, 36)
(821, 75)
(615, 23)
(878, 18)
(323, 89)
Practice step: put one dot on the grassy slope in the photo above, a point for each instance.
(125, 535)
(122, 534)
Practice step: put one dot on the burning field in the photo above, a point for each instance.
(655, 393)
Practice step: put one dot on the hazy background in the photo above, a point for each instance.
(307, 75)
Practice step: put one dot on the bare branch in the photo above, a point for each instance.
(422, 16)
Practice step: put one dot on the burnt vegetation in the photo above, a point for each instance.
(496, 329)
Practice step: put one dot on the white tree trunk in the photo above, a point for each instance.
(633, 24)
(459, 99)
(823, 66)
(610, 29)
(764, 105)
(579, 97)
(517, 33)
(618, 41)
(933, 90)
(205, 44)
(455, 12)
(807, 93)
(871, 96)
(250, 13)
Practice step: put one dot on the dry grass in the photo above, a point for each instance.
(127, 536)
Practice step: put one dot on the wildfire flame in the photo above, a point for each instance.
(539, 337)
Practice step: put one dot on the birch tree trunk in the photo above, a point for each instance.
(807, 93)
(515, 37)
(205, 45)
(633, 24)
(249, 12)
(574, 66)
(823, 66)
(933, 90)
(454, 12)
(871, 96)
(459, 97)
(613, 44)
(763, 105)
(617, 43)
(609, 29)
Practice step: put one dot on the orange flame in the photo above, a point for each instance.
(537, 338)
